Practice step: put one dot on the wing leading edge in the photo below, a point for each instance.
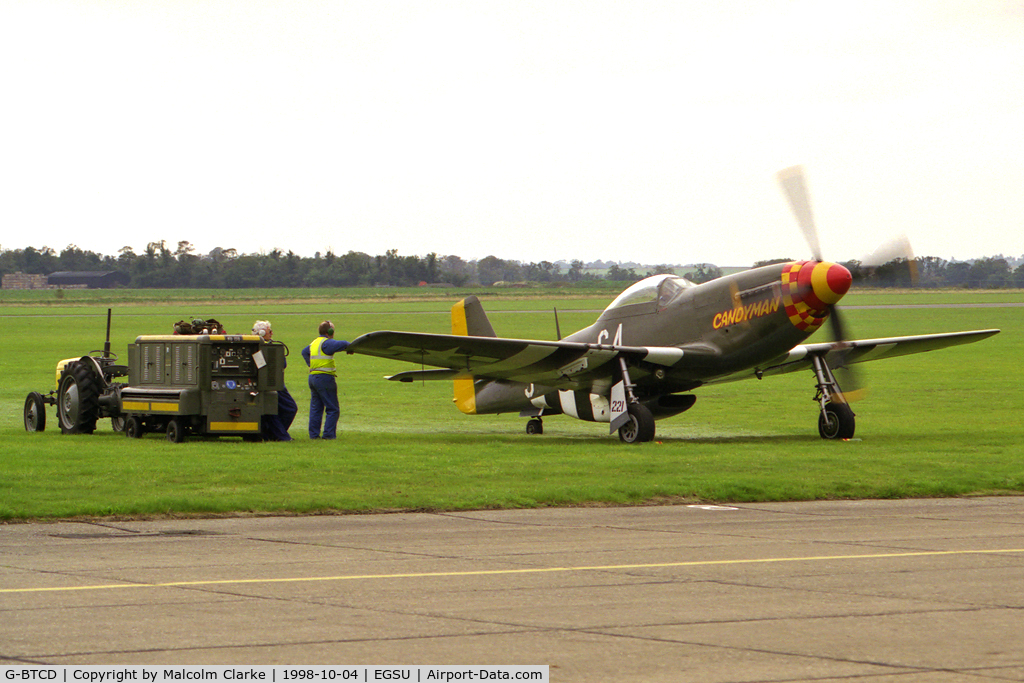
(838, 354)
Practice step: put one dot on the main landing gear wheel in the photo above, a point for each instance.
(35, 413)
(836, 421)
(535, 426)
(640, 427)
(78, 395)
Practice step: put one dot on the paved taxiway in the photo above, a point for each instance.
(920, 590)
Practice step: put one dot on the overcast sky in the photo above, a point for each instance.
(530, 130)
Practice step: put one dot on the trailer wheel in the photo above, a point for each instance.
(35, 413)
(78, 395)
(133, 428)
(175, 432)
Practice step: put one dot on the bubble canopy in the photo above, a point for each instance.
(661, 288)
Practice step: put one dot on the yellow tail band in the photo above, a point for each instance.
(465, 394)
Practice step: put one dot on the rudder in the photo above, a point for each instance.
(469, 319)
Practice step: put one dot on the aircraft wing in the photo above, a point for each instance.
(557, 364)
(839, 354)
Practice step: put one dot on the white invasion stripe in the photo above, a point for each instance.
(795, 354)
(601, 407)
(568, 401)
(663, 355)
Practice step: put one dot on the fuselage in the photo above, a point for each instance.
(730, 324)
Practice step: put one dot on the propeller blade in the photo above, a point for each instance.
(850, 384)
(835, 320)
(897, 248)
(795, 187)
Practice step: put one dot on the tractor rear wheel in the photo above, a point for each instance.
(78, 394)
(35, 413)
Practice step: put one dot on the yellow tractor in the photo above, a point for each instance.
(85, 390)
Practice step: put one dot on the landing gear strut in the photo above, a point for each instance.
(639, 426)
(836, 420)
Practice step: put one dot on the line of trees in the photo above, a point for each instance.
(158, 266)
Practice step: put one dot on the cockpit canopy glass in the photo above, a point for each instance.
(661, 288)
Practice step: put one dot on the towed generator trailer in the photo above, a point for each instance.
(202, 384)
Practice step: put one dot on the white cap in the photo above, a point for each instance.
(261, 327)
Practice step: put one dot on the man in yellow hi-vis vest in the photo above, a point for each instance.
(323, 385)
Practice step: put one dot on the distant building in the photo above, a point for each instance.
(24, 281)
(90, 279)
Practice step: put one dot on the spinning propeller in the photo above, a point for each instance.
(897, 249)
(830, 281)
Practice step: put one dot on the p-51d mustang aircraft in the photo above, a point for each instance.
(658, 340)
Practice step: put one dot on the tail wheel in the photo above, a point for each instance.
(35, 413)
(78, 394)
(640, 427)
(836, 421)
(535, 426)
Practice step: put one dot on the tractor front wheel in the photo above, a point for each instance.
(35, 412)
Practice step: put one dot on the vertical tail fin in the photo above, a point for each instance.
(469, 319)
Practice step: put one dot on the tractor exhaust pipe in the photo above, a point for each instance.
(106, 344)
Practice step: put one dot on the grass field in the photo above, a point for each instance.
(940, 424)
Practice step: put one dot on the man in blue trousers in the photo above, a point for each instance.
(275, 427)
(323, 385)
